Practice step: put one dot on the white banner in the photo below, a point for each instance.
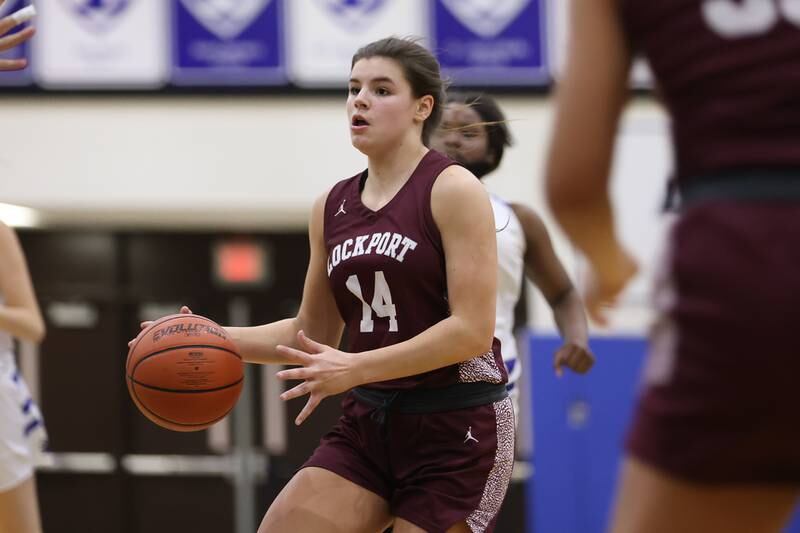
(110, 43)
(323, 35)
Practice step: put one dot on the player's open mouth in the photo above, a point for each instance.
(359, 121)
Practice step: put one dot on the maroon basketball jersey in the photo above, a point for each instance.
(387, 272)
(729, 73)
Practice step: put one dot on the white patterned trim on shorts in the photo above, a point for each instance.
(500, 475)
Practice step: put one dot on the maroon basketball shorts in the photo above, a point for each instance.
(434, 469)
(720, 401)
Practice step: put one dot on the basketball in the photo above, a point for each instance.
(184, 373)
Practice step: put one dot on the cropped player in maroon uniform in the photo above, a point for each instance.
(402, 255)
(715, 443)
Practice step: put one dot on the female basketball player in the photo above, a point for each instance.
(714, 444)
(8, 23)
(21, 430)
(474, 133)
(403, 255)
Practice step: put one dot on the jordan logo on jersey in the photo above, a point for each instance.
(469, 436)
(341, 210)
(387, 243)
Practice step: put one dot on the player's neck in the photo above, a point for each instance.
(393, 168)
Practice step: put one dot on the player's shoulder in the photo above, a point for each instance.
(532, 224)
(343, 185)
(318, 211)
(339, 190)
(457, 180)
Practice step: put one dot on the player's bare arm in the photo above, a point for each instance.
(318, 316)
(19, 313)
(545, 270)
(590, 100)
(463, 214)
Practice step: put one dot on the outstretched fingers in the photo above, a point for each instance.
(293, 356)
(295, 392)
(10, 41)
(311, 405)
(309, 344)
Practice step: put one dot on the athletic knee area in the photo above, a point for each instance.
(319, 500)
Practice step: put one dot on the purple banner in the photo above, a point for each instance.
(228, 42)
(16, 77)
(491, 42)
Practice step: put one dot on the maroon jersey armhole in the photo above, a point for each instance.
(431, 229)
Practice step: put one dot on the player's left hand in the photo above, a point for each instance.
(577, 358)
(7, 42)
(325, 372)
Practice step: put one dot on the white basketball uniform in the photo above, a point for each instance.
(510, 271)
(22, 432)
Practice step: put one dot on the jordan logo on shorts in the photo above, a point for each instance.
(469, 436)
(341, 210)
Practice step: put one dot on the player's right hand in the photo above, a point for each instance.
(146, 324)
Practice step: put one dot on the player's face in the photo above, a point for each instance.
(461, 136)
(380, 105)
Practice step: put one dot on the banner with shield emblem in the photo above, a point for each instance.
(101, 43)
(17, 77)
(491, 42)
(322, 35)
(307, 44)
(227, 42)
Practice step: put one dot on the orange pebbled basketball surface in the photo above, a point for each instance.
(184, 373)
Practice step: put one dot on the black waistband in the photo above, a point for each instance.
(742, 185)
(419, 401)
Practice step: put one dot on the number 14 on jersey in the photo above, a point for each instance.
(381, 302)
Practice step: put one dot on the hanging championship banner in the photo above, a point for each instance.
(228, 42)
(491, 42)
(16, 77)
(323, 35)
(101, 43)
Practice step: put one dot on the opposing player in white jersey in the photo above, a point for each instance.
(21, 428)
(475, 134)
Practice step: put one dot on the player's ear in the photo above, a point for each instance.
(424, 108)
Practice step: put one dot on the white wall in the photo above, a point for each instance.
(259, 162)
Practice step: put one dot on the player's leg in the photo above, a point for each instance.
(653, 502)
(19, 510)
(318, 500)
